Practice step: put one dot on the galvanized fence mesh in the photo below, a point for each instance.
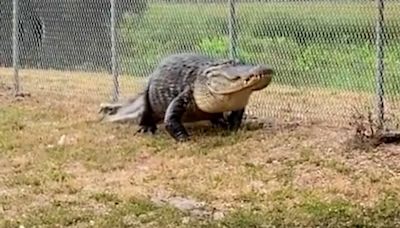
(332, 58)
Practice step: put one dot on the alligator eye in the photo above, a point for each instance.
(236, 78)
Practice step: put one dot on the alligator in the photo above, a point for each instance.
(190, 87)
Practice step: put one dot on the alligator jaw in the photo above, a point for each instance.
(229, 82)
(266, 73)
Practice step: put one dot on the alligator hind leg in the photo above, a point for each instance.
(173, 117)
(235, 119)
(147, 122)
(109, 108)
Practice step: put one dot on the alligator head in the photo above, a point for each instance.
(232, 78)
(228, 86)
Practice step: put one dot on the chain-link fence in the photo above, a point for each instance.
(332, 57)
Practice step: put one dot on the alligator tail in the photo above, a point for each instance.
(128, 111)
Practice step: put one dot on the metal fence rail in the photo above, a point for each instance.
(331, 56)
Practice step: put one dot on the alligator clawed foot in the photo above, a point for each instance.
(181, 138)
(179, 134)
(145, 129)
(220, 123)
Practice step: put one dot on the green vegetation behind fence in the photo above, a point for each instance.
(310, 44)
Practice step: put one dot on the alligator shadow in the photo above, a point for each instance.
(206, 129)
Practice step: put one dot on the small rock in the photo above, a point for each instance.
(91, 222)
(131, 220)
(143, 167)
(200, 213)
(157, 201)
(257, 185)
(218, 215)
(185, 220)
(147, 215)
(61, 141)
(185, 204)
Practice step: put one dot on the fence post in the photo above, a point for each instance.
(15, 37)
(379, 64)
(232, 30)
(114, 71)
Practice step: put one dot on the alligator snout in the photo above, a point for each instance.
(264, 74)
(264, 70)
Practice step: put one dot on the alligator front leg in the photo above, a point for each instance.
(218, 121)
(235, 119)
(173, 118)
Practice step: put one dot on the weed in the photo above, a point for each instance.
(368, 134)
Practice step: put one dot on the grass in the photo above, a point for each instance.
(62, 168)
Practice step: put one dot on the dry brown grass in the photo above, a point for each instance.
(60, 166)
